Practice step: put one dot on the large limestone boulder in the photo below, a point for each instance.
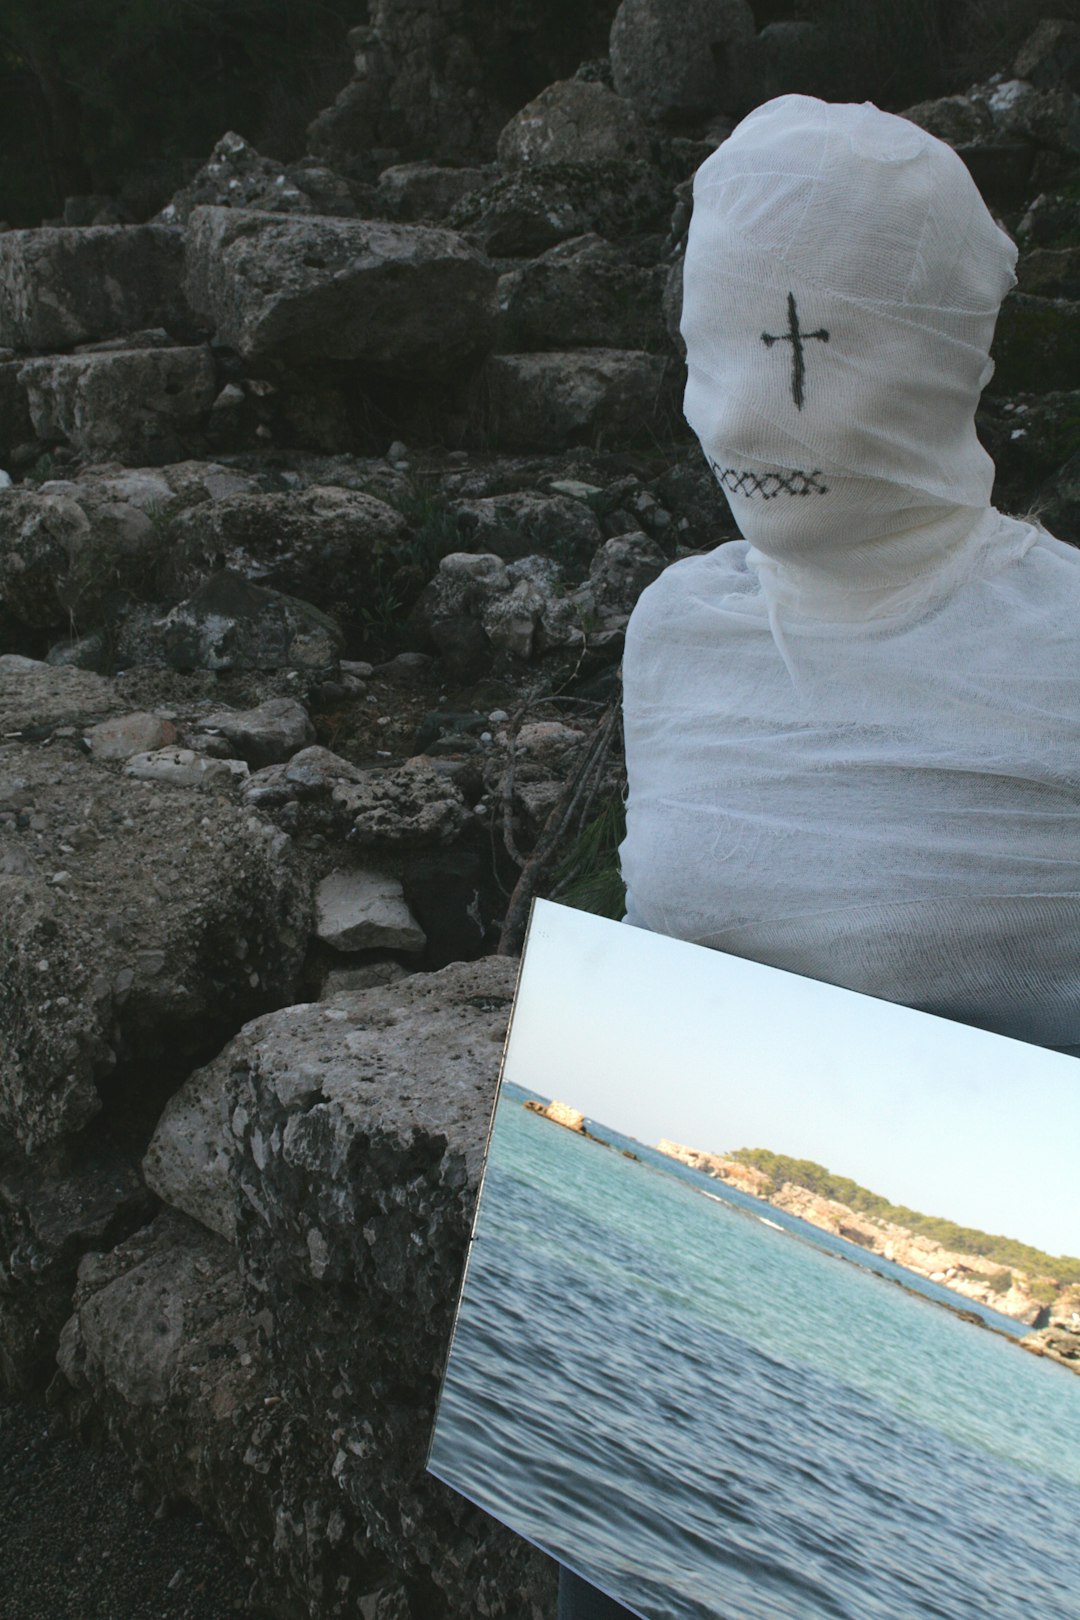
(63, 286)
(308, 288)
(135, 919)
(526, 211)
(145, 406)
(573, 121)
(583, 293)
(325, 544)
(585, 396)
(670, 57)
(341, 1143)
(75, 550)
(228, 623)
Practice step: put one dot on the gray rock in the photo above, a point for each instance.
(37, 698)
(425, 191)
(15, 424)
(410, 805)
(573, 122)
(236, 176)
(368, 976)
(328, 545)
(59, 287)
(394, 297)
(585, 396)
(266, 735)
(52, 1211)
(160, 1333)
(957, 120)
(187, 1161)
(180, 914)
(127, 734)
(358, 910)
(670, 57)
(1050, 57)
(516, 525)
(578, 294)
(527, 211)
(364, 1183)
(622, 569)
(230, 624)
(142, 405)
(183, 767)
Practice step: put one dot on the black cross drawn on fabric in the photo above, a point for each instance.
(796, 337)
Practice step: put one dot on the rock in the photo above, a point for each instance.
(587, 396)
(64, 286)
(1051, 273)
(187, 1162)
(163, 1354)
(409, 805)
(128, 734)
(559, 1113)
(370, 976)
(265, 735)
(180, 914)
(313, 773)
(183, 767)
(573, 121)
(1052, 221)
(15, 424)
(622, 569)
(143, 405)
(578, 294)
(785, 58)
(394, 297)
(52, 1211)
(671, 57)
(236, 176)
(425, 191)
(355, 1139)
(327, 545)
(82, 549)
(527, 211)
(956, 120)
(1050, 58)
(1058, 502)
(92, 651)
(1056, 1343)
(37, 699)
(1048, 118)
(230, 624)
(1036, 344)
(359, 910)
(514, 526)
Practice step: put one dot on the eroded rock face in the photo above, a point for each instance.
(147, 406)
(585, 396)
(573, 121)
(342, 1143)
(527, 211)
(134, 919)
(231, 624)
(63, 286)
(669, 57)
(236, 176)
(582, 293)
(325, 545)
(310, 288)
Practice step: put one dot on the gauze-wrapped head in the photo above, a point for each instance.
(842, 281)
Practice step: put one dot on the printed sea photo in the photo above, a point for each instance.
(772, 1308)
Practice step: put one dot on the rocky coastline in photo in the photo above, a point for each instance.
(1048, 1306)
(328, 483)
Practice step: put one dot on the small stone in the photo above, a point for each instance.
(362, 910)
(183, 767)
(128, 734)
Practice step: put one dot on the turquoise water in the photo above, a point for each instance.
(709, 1417)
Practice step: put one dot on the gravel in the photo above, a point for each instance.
(75, 1544)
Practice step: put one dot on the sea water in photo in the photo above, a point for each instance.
(708, 1410)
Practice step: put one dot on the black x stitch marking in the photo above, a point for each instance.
(795, 336)
(769, 485)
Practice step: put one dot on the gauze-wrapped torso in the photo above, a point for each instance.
(893, 805)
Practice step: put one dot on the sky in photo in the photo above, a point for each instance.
(658, 1038)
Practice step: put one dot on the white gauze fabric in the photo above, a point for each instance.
(853, 746)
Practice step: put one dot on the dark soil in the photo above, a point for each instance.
(75, 1544)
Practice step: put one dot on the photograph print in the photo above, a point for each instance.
(772, 1307)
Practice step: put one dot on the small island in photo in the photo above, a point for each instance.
(738, 1382)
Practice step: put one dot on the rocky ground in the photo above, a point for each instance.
(327, 493)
